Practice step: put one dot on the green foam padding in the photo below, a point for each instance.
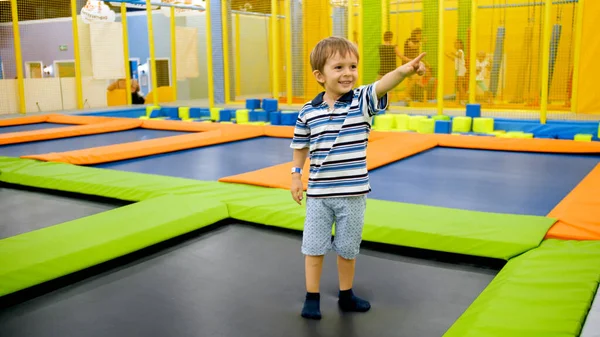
(461, 124)
(184, 113)
(546, 292)
(35, 257)
(440, 118)
(413, 122)
(215, 113)
(242, 116)
(426, 126)
(483, 125)
(384, 122)
(580, 137)
(401, 122)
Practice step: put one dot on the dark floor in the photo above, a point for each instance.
(31, 127)
(245, 281)
(24, 211)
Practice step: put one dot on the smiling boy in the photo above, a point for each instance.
(334, 129)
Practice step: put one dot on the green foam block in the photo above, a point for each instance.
(184, 113)
(384, 122)
(440, 118)
(401, 122)
(483, 125)
(413, 122)
(426, 126)
(461, 124)
(215, 114)
(583, 137)
(242, 116)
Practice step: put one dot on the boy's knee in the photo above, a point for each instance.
(348, 249)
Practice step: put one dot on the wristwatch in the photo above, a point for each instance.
(296, 170)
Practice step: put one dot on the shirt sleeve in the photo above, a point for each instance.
(301, 137)
(370, 104)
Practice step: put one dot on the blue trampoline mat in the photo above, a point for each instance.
(83, 142)
(31, 127)
(479, 180)
(212, 162)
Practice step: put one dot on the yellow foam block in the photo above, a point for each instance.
(184, 112)
(215, 114)
(401, 122)
(242, 116)
(426, 125)
(413, 122)
(461, 124)
(384, 122)
(483, 125)
(581, 137)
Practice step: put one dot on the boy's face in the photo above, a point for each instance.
(339, 74)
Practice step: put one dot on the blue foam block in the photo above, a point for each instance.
(262, 116)
(443, 126)
(252, 116)
(225, 115)
(473, 110)
(269, 104)
(195, 113)
(252, 104)
(275, 117)
(169, 111)
(289, 118)
(205, 113)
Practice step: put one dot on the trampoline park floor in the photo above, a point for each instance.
(242, 280)
(30, 127)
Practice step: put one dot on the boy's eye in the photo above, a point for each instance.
(353, 66)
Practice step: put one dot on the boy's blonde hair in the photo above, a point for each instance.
(327, 48)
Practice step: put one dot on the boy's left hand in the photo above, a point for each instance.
(414, 66)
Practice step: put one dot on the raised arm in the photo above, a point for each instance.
(390, 80)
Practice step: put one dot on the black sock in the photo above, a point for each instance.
(349, 302)
(311, 307)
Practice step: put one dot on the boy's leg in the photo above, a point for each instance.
(349, 213)
(316, 241)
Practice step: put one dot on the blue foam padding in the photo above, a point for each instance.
(252, 104)
(289, 118)
(195, 113)
(443, 126)
(473, 110)
(262, 116)
(170, 112)
(156, 113)
(275, 117)
(225, 115)
(252, 116)
(205, 113)
(270, 104)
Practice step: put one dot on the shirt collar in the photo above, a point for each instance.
(347, 98)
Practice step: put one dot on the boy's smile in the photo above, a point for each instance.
(340, 73)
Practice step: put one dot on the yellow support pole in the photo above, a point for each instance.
(209, 63)
(152, 53)
(125, 30)
(238, 58)
(225, 37)
(575, 80)
(361, 43)
(473, 54)
(18, 56)
(441, 55)
(275, 43)
(173, 53)
(545, 59)
(288, 51)
(78, 84)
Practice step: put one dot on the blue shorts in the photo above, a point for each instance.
(321, 213)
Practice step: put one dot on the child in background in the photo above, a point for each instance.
(334, 129)
(482, 67)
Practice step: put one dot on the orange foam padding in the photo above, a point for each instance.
(110, 153)
(381, 152)
(24, 120)
(79, 120)
(69, 131)
(516, 144)
(279, 131)
(578, 213)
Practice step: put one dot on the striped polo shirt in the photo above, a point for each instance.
(337, 141)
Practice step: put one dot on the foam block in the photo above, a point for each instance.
(171, 112)
(384, 122)
(275, 117)
(289, 118)
(426, 126)
(262, 116)
(413, 122)
(269, 104)
(401, 122)
(152, 111)
(252, 104)
(183, 113)
(225, 115)
(483, 125)
(581, 137)
(473, 110)
(215, 113)
(440, 118)
(442, 126)
(461, 124)
(242, 116)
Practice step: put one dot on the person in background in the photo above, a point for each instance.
(136, 97)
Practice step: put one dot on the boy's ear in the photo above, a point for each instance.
(319, 77)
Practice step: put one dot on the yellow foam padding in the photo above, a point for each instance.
(151, 108)
(215, 114)
(461, 124)
(226, 122)
(257, 123)
(581, 137)
(413, 122)
(401, 122)
(187, 120)
(184, 112)
(145, 117)
(384, 122)
(242, 116)
(483, 125)
(426, 125)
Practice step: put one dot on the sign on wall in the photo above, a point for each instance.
(97, 11)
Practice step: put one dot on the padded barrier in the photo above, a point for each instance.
(579, 211)
(476, 233)
(546, 292)
(23, 120)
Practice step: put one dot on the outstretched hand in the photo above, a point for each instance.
(414, 66)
